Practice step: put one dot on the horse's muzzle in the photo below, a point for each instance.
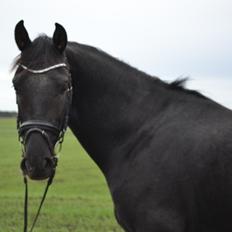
(41, 172)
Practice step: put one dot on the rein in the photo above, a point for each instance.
(41, 202)
(26, 128)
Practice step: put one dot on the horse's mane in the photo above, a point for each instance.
(179, 85)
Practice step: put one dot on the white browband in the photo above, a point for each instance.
(45, 69)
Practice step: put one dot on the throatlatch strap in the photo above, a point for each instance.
(40, 206)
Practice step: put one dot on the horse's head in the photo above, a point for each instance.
(43, 88)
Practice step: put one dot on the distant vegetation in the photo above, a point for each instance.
(8, 114)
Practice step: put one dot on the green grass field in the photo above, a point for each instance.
(78, 200)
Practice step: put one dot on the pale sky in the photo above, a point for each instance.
(165, 38)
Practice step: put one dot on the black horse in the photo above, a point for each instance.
(165, 151)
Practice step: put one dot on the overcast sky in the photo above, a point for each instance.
(166, 38)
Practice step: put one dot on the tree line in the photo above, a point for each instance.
(7, 114)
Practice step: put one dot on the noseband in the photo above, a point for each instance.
(26, 128)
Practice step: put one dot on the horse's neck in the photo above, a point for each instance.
(109, 104)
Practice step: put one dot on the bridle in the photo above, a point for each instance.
(26, 128)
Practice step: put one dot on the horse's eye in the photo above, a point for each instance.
(17, 86)
(17, 82)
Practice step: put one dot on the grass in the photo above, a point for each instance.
(77, 201)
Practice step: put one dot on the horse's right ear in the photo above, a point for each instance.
(21, 36)
(60, 38)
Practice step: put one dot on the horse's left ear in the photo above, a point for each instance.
(60, 38)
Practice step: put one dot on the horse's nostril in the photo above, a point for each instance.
(25, 166)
